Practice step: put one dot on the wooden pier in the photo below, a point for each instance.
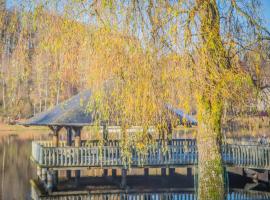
(75, 154)
(176, 153)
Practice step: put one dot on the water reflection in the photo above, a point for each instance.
(17, 170)
(165, 195)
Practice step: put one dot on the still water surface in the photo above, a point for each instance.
(17, 170)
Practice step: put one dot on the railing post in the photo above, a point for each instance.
(53, 174)
(69, 143)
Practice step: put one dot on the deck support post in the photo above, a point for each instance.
(43, 175)
(55, 143)
(189, 171)
(77, 177)
(50, 181)
(55, 177)
(77, 143)
(105, 172)
(171, 171)
(269, 179)
(39, 173)
(124, 178)
(163, 171)
(146, 171)
(114, 173)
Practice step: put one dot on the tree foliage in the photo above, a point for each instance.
(139, 58)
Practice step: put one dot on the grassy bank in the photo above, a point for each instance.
(21, 131)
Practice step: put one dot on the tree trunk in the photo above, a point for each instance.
(211, 180)
(58, 92)
(2, 75)
(3, 95)
(46, 88)
(209, 101)
(40, 99)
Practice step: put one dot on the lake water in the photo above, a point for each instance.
(17, 170)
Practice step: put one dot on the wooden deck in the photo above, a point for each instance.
(179, 152)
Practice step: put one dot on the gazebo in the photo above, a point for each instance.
(72, 115)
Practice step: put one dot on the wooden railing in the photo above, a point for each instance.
(174, 153)
(182, 152)
(253, 156)
(84, 143)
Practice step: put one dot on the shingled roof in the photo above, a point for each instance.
(72, 112)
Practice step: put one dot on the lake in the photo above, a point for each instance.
(17, 170)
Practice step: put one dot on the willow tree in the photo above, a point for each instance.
(146, 55)
(129, 87)
(208, 38)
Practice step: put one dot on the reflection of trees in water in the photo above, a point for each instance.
(17, 168)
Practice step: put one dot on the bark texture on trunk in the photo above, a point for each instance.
(211, 180)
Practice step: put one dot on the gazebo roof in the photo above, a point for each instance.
(73, 112)
(182, 115)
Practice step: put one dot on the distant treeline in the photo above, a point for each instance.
(45, 59)
(38, 67)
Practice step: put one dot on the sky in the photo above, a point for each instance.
(265, 10)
